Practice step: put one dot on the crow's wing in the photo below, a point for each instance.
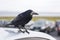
(17, 19)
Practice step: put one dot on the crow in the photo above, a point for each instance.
(22, 19)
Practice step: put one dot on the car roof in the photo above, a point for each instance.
(12, 36)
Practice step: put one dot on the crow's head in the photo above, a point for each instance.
(31, 12)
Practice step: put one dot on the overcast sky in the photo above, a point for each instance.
(36, 5)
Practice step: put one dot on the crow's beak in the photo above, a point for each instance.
(35, 13)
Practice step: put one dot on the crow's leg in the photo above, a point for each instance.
(19, 28)
(23, 26)
(26, 30)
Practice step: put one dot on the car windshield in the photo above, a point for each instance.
(33, 38)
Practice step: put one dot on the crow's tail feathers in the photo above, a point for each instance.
(8, 25)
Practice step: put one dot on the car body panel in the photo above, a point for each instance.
(4, 35)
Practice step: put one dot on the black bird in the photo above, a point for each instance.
(22, 19)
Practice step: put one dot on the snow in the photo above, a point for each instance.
(4, 35)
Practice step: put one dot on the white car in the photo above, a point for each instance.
(5, 35)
